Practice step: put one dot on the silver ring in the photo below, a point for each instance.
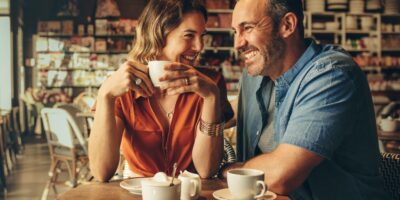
(138, 81)
(187, 81)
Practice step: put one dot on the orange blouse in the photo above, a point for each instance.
(146, 146)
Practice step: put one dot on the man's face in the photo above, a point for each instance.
(260, 46)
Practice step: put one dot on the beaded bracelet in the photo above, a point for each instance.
(212, 129)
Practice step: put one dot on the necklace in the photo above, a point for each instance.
(169, 114)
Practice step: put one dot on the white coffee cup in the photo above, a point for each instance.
(246, 183)
(154, 190)
(156, 70)
(190, 185)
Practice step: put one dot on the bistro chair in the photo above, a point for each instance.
(3, 163)
(8, 153)
(229, 153)
(16, 127)
(73, 111)
(66, 145)
(390, 171)
(85, 101)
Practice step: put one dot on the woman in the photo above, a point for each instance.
(180, 122)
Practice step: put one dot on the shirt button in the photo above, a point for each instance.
(258, 132)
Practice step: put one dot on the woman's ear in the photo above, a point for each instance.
(288, 25)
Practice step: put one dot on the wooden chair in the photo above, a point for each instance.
(73, 110)
(85, 101)
(3, 163)
(390, 171)
(7, 144)
(66, 145)
(16, 127)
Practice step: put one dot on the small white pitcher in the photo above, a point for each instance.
(190, 185)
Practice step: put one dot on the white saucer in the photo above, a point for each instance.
(134, 185)
(224, 194)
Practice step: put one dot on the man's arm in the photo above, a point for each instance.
(285, 168)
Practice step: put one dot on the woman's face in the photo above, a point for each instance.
(184, 43)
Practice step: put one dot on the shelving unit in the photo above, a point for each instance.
(82, 58)
(373, 40)
(219, 51)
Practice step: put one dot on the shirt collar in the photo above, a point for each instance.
(287, 78)
(136, 95)
(253, 80)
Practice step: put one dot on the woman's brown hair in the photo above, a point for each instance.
(158, 19)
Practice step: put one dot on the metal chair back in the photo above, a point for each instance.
(390, 171)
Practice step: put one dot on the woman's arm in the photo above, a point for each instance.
(105, 139)
(208, 150)
(106, 134)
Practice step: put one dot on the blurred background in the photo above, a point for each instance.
(56, 53)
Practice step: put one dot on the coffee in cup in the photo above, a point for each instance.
(246, 183)
(156, 70)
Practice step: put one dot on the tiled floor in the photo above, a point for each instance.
(28, 178)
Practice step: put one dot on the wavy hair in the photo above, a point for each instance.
(158, 19)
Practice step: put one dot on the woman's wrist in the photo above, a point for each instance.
(211, 129)
(106, 97)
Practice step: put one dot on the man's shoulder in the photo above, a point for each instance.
(332, 61)
(334, 55)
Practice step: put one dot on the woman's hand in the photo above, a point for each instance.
(180, 78)
(130, 75)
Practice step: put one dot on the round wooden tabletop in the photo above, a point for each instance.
(112, 191)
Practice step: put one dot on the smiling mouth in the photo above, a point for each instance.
(191, 58)
(248, 55)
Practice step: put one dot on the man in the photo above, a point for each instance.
(305, 114)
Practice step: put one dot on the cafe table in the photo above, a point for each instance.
(112, 191)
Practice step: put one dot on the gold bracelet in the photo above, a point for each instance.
(212, 129)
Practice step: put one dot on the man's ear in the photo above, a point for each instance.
(288, 25)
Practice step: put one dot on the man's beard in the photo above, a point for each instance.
(273, 53)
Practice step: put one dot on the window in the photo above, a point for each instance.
(5, 64)
(4, 7)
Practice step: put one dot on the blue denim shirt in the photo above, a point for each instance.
(322, 104)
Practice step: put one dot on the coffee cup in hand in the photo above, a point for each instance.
(156, 70)
(246, 183)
